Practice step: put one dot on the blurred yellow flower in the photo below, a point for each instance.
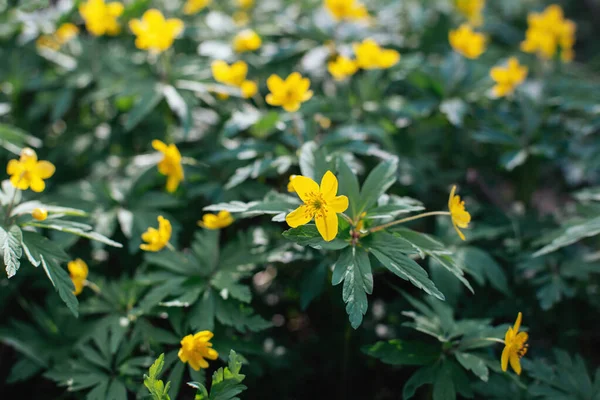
(193, 6)
(211, 221)
(78, 270)
(320, 203)
(346, 9)
(249, 89)
(472, 10)
(547, 31)
(39, 214)
(28, 172)
(342, 68)
(323, 121)
(370, 56)
(63, 34)
(246, 40)
(245, 4)
(240, 18)
(508, 78)
(515, 347)
(290, 187)
(289, 94)
(460, 217)
(234, 74)
(467, 42)
(157, 239)
(155, 33)
(47, 41)
(101, 18)
(170, 165)
(195, 348)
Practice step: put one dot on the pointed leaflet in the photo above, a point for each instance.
(62, 283)
(312, 161)
(354, 268)
(377, 183)
(348, 186)
(11, 248)
(226, 382)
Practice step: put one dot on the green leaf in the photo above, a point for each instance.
(571, 234)
(158, 390)
(443, 385)
(265, 126)
(483, 267)
(11, 248)
(348, 186)
(403, 352)
(143, 108)
(473, 363)
(308, 235)
(354, 269)
(75, 228)
(226, 382)
(202, 316)
(36, 245)
(448, 263)
(389, 250)
(312, 160)
(423, 376)
(62, 283)
(377, 183)
(422, 243)
(312, 284)
(239, 316)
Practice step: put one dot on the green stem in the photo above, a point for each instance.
(296, 124)
(401, 221)
(170, 247)
(347, 218)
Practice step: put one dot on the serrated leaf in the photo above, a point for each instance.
(11, 248)
(62, 283)
(348, 186)
(36, 245)
(473, 363)
(75, 228)
(377, 183)
(570, 235)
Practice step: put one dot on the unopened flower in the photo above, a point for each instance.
(369, 55)
(472, 10)
(320, 203)
(101, 18)
(78, 271)
(28, 172)
(39, 214)
(467, 42)
(346, 9)
(460, 217)
(170, 165)
(195, 349)
(547, 31)
(342, 68)
(194, 6)
(289, 94)
(515, 347)
(246, 40)
(155, 33)
(508, 78)
(157, 239)
(219, 221)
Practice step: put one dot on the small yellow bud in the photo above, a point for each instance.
(39, 214)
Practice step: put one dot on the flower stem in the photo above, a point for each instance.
(401, 221)
(170, 247)
(347, 218)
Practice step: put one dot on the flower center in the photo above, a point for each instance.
(316, 204)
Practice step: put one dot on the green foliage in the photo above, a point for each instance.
(158, 390)
(226, 382)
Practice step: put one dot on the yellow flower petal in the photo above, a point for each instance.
(504, 359)
(300, 216)
(329, 185)
(339, 204)
(305, 187)
(327, 224)
(515, 363)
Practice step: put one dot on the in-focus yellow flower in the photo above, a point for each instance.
(320, 203)
(245, 4)
(342, 68)
(472, 10)
(195, 6)
(240, 18)
(101, 18)
(155, 33)
(508, 78)
(249, 89)
(467, 42)
(460, 216)
(28, 172)
(170, 165)
(234, 74)
(39, 214)
(157, 239)
(195, 348)
(290, 187)
(515, 347)
(370, 56)
(346, 9)
(78, 270)
(246, 40)
(211, 221)
(547, 31)
(289, 94)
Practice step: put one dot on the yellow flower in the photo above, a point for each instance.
(39, 214)
(467, 42)
(249, 89)
(194, 6)
(155, 33)
(29, 172)
(101, 18)
(290, 93)
(234, 74)
(240, 18)
(157, 239)
(66, 32)
(547, 31)
(320, 203)
(515, 347)
(211, 221)
(370, 56)
(290, 187)
(246, 40)
(361, 223)
(346, 9)
(195, 348)
(323, 121)
(170, 165)
(460, 216)
(472, 10)
(508, 78)
(245, 4)
(342, 68)
(78, 270)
